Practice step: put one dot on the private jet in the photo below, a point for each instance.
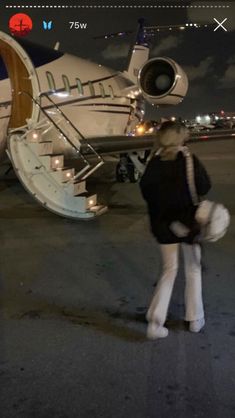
(60, 114)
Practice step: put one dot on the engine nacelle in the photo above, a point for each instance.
(162, 81)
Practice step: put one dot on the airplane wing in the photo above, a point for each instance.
(117, 144)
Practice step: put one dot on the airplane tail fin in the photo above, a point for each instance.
(139, 53)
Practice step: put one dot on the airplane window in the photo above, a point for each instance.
(91, 87)
(80, 87)
(102, 91)
(111, 93)
(66, 83)
(51, 81)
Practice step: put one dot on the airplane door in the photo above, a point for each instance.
(23, 79)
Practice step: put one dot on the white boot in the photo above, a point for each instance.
(196, 326)
(155, 331)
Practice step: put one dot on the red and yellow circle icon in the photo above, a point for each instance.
(20, 24)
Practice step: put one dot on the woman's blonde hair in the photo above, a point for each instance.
(170, 137)
(172, 134)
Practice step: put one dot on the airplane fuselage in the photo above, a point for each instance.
(91, 95)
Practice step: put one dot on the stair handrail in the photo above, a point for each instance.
(88, 165)
(56, 126)
(71, 124)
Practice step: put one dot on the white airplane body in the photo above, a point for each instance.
(52, 103)
(109, 109)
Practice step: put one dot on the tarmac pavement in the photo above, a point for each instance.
(73, 298)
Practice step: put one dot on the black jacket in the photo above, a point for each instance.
(164, 187)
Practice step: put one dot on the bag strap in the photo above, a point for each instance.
(189, 173)
(190, 176)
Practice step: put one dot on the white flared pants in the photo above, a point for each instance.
(193, 287)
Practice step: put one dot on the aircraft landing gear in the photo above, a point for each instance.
(126, 170)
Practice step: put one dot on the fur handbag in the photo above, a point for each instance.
(212, 217)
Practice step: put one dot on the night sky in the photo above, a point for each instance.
(208, 57)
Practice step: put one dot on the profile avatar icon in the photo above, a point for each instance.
(20, 24)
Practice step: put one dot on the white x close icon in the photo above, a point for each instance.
(220, 25)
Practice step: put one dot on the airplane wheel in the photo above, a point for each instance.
(121, 173)
(133, 173)
(126, 171)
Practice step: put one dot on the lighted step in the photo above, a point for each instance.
(57, 161)
(76, 189)
(41, 148)
(98, 210)
(91, 201)
(79, 188)
(35, 136)
(63, 175)
(85, 204)
(52, 162)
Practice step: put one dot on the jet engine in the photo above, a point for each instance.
(162, 82)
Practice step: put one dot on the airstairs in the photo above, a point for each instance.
(38, 152)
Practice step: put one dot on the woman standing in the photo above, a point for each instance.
(171, 211)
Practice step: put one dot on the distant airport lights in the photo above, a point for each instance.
(140, 129)
(195, 25)
(203, 119)
(187, 25)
